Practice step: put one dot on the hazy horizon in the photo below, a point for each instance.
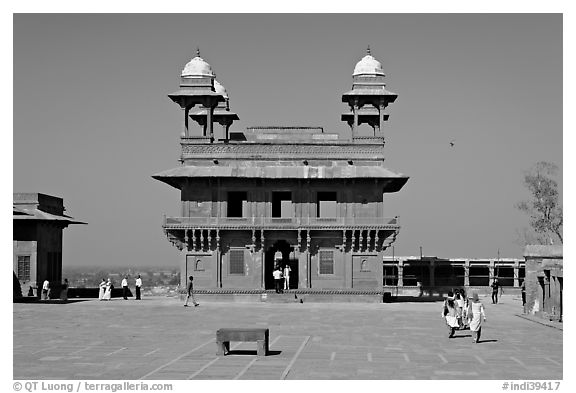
(93, 123)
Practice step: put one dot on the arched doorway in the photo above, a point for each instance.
(286, 250)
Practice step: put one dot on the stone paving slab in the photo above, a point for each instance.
(157, 338)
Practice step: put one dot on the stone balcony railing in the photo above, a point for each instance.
(328, 223)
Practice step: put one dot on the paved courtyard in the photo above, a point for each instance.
(157, 338)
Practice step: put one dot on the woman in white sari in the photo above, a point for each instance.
(476, 316)
(102, 289)
(108, 292)
(450, 314)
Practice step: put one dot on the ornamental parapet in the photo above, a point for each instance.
(363, 149)
(311, 223)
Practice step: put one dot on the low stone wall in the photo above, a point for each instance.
(443, 291)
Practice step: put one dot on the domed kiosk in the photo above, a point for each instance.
(368, 97)
(197, 88)
(222, 113)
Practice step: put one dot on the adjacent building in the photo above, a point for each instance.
(274, 195)
(439, 275)
(544, 281)
(39, 221)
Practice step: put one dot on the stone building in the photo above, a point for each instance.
(297, 196)
(37, 237)
(439, 275)
(544, 281)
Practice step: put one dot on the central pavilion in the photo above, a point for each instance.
(296, 196)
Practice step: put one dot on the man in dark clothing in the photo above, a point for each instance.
(190, 293)
(138, 286)
(278, 280)
(523, 288)
(495, 288)
(125, 287)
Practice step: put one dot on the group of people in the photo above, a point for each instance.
(106, 287)
(47, 290)
(281, 278)
(461, 313)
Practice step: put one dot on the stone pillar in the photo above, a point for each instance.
(308, 260)
(184, 273)
(400, 273)
(355, 109)
(218, 270)
(492, 272)
(467, 273)
(380, 115)
(431, 274)
(186, 111)
(210, 122)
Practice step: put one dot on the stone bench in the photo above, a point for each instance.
(225, 335)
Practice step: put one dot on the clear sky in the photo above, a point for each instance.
(92, 120)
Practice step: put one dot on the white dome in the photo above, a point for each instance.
(196, 68)
(368, 66)
(220, 89)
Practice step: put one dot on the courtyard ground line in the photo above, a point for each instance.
(518, 361)
(176, 359)
(553, 361)
(245, 368)
(116, 351)
(231, 348)
(42, 350)
(151, 352)
(80, 350)
(480, 359)
(287, 370)
(211, 362)
(443, 358)
(204, 367)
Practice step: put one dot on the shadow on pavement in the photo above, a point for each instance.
(31, 300)
(249, 352)
(412, 299)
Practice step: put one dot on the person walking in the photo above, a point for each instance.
(108, 290)
(523, 289)
(138, 286)
(125, 287)
(277, 279)
(191, 293)
(450, 314)
(464, 304)
(459, 301)
(287, 271)
(64, 291)
(102, 287)
(476, 316)
(495, 286)
(45, 288)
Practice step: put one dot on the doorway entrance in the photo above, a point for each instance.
(286, 250)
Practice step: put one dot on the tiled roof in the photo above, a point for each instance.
(284, 172)
(37, 214)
